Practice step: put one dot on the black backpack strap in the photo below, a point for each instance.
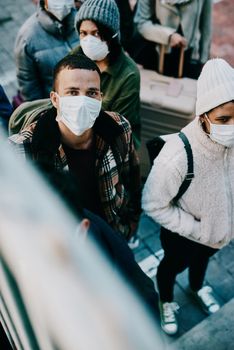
(154, 147)
(190, 172)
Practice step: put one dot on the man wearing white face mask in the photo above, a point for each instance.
(44, 39)
(96, 147)
(59, 8)
(202, 220)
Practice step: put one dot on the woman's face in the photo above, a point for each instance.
(221, 115)
(88, 27)
(92, 43)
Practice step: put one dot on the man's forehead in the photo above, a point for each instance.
(78, 71)
(78, 75)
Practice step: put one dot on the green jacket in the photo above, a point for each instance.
(120, 85)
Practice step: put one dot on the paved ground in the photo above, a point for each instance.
(221, 269)
(12, 16)
(223, 26)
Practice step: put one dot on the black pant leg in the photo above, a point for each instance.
(191, 68)
(199, 260)
(175, 261)
(143, 52)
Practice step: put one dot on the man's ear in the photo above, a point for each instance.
(202, 117)
(83, 228)
(54, 99)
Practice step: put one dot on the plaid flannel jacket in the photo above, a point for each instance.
(117, 164)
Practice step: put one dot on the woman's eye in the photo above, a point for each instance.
(92, 93)
(223, 120)
(82, 34)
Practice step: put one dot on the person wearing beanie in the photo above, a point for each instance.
(202, 221)
(45, 38)
(98, 25)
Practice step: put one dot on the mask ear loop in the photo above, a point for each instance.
(115, 35)
(207, 118)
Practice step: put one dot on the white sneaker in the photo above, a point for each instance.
(168, 319)
(207, 300)
(134, 242)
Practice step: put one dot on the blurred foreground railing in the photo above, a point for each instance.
(54, 293)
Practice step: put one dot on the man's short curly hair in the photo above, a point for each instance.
(74, 61)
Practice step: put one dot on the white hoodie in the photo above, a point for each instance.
(205, 213)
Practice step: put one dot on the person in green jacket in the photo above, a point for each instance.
(98, 26)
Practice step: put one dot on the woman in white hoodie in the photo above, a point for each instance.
(202, 220)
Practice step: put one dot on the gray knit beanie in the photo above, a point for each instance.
(105, 12)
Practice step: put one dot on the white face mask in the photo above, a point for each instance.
(94, 48)
(60, 8)
(78, 113)
(222, 134)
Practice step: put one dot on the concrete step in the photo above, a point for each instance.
(216, 332)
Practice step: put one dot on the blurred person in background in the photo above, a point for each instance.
(78, 3)
(45, 38)
(126, 23)
(6, 109)
(176, 24)
(112, 244)
(98, 25)
(202, 221)
(96, 147)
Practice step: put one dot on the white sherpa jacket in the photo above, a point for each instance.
(205, 213)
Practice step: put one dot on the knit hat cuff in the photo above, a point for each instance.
(104, 12)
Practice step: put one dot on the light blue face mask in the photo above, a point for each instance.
(222, 134)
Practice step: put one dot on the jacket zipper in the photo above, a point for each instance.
(69, 47)
(228, 193)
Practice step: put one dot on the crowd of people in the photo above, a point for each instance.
(77, 72)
